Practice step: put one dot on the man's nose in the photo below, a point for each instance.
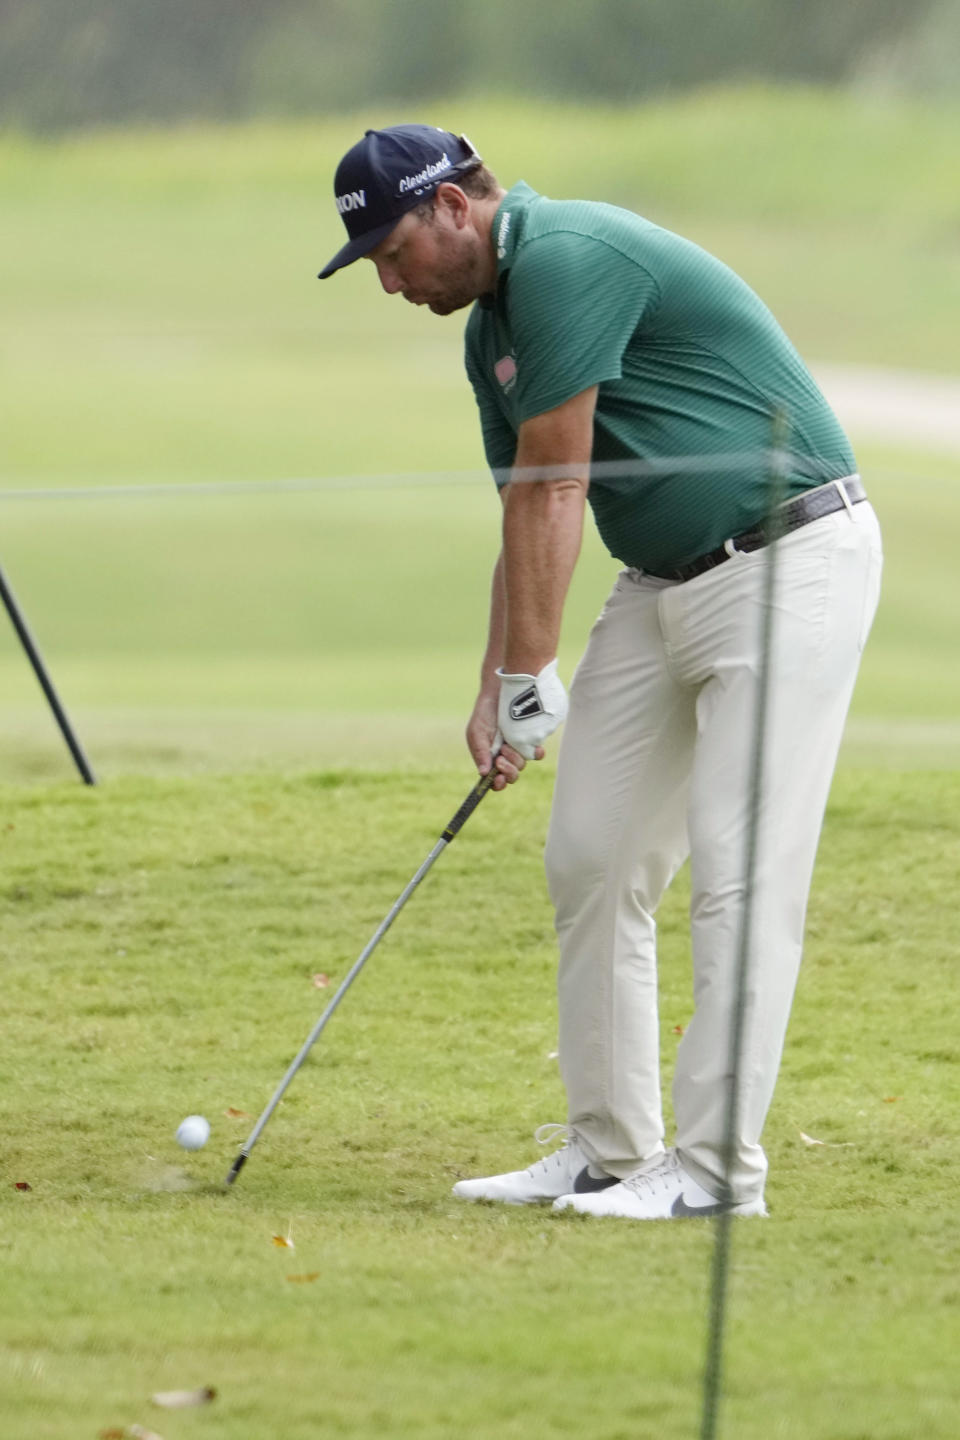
(389, 278)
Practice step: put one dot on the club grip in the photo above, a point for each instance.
(470, 804)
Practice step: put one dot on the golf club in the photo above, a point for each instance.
(449, 833)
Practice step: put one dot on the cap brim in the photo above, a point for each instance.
(356, 249)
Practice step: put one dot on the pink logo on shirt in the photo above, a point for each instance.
(505, 369)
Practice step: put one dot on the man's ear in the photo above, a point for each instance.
(454, 203)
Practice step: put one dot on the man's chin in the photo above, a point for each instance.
(446, 307)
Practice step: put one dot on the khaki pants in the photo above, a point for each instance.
(655, 764)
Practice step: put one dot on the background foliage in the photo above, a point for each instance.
(80, 62)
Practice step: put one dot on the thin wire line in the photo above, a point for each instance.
(602, 471)
(217, 488)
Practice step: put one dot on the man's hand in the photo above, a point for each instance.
(531, 707)
(483, 737)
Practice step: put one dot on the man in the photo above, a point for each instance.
(600, 348)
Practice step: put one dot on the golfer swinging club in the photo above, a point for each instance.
(596, 336)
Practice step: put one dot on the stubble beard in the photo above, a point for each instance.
(456, 281)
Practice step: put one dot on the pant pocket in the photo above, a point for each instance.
(871, 593)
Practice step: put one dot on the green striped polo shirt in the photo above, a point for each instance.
(691, 367)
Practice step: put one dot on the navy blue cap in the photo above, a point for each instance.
(386, 174)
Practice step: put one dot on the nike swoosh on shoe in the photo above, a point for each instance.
(586, 1182)
(680, 1208)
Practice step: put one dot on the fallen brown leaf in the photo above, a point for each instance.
(284, 1241)
(678, 1029)
(320, 982)
(233, 1114)
(129, 1432)
(21, 1185)
(305, 1279)
(829, 1144)
(183, 1399)
(890, 1099)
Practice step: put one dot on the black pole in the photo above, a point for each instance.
(46, 684)
(720, 1277)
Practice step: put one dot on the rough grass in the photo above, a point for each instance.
(160, 939)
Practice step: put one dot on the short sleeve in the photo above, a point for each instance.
(499, 439)
(575, 303)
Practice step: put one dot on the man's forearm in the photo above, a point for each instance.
(542, 529)
(496, 635)
(542, 532)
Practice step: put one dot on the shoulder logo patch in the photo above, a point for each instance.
(506, 370)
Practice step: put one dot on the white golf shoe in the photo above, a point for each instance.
(666, 1192)
(565, 1172)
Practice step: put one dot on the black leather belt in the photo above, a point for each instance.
(812, 505)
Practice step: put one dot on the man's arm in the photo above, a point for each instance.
(542, 529)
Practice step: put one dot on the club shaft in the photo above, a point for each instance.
(342, 989)
(449, 833)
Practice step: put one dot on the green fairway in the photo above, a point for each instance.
(160, 939)
(163, 326)
(346, 626)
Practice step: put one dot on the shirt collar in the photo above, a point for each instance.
(508, 223)
(506, 231)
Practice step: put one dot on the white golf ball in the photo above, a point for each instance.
(193, 1133)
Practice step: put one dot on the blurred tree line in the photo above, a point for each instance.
(67, 63)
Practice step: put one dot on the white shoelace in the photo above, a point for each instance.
(659, 1178)
(547, 1135)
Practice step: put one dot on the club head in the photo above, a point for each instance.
(235, 1168)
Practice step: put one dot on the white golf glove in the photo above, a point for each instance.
(531, 708)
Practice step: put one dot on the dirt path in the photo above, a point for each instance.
(895, 405)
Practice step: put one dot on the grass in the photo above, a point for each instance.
(345, 626)
(161, 937)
